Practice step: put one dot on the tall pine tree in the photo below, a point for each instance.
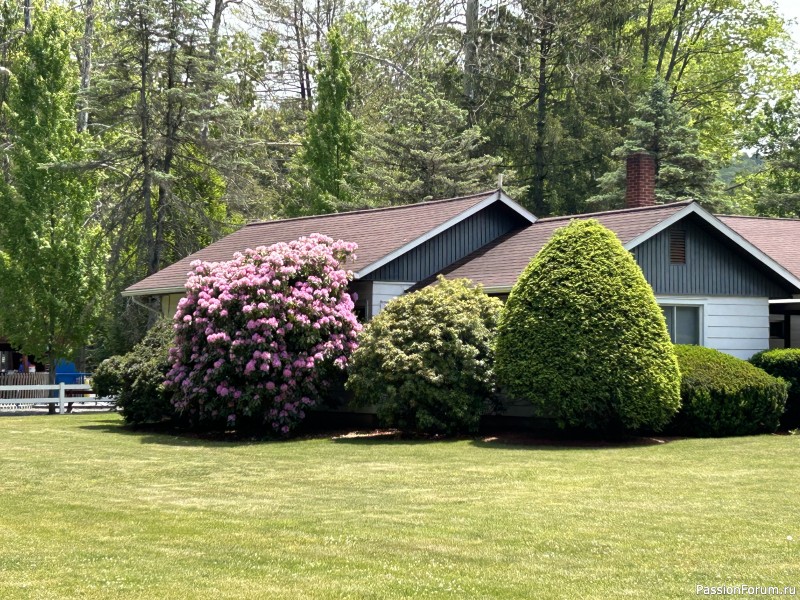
(664, 130)
(424, 148)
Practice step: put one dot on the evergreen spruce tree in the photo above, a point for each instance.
(51, 253)
(425, 149)
(664, 130)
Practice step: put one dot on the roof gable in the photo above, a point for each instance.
(498, 264)
(712, 264)
(381, 234)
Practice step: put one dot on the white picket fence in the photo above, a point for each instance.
(16, 395)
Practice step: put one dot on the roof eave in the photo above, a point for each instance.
(497, 289)
(154, 291)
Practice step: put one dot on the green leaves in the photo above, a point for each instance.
(663, 129)
(426, 361)
(423, 148)
(52, 277)
(723, 395)
(582, 338)
(326, 158)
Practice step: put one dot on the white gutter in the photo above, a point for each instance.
(154, 291)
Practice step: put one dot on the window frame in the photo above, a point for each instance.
(700, 308)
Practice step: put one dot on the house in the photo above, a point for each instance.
(723, 282)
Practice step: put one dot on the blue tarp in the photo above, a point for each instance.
(67, 372)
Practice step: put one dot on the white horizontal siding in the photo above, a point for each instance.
(735, 325)
(726, 308)
(740, 325)
(745, 321)
(384, 291)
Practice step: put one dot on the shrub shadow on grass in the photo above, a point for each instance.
(521, 441)
(512, 440)
(170, 436)
(167, 434)
(391, 437)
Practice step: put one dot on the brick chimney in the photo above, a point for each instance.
(640, 180)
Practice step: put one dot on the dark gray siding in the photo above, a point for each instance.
(714, 266)
(451, 245)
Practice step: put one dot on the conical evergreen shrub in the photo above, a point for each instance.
(583, 339)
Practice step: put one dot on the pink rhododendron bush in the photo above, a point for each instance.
(255, 336)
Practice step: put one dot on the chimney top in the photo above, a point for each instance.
(640, 180)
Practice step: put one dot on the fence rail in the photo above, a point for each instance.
(27, 394)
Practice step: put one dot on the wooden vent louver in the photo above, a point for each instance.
(677, 246)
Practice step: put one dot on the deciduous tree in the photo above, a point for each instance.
(51, 249)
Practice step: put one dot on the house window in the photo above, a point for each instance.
(677, 246)
(777, 329)
(683, 324)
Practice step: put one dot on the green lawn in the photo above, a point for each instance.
(91, 510)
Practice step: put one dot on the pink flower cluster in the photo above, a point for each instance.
(254, 334)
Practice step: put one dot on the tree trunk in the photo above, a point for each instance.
(213, 52)
(146, 190)
(171, 125)
(646, 41)
(5, 80)
(26, 10)
(51, 380)
(677, 44)
(540, 165)
(51, 324)
(667, 35)
(471, 55)
(302, 74)
(86, 66)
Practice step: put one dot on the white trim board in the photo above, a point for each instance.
(498, 196)
(729, 233)
(155, 291)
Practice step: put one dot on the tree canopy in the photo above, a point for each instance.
(51, 250)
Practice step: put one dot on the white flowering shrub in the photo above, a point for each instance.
(256, 335)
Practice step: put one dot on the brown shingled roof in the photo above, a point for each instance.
(378, 232)
(777, 238)
(499, 264)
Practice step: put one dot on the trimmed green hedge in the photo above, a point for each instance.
(724, 395)
(583, 338)
(425, 361)
(136, 379)
(784, 363)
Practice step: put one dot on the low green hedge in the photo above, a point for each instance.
(136, 379)
(784, 363)
(723, 395)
